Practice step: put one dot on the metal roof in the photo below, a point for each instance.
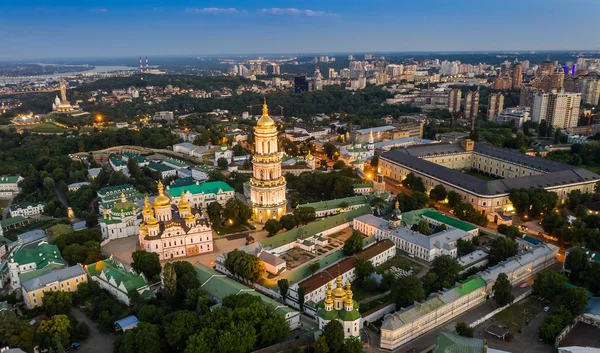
(54, 276)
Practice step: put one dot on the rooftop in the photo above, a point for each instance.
(42, 255)
(115, 270)
(34, 204)
(334, 204)
(9, 179)
(209, 187)
(160, 167)
(452, 222)
(451, 343)
(54, 276)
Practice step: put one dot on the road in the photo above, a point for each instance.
(97, 342)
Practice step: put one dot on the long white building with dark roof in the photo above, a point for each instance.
(442, 164)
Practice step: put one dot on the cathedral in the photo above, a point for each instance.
(339, 305)
(121, 220)
(173, 231)
(267, 184)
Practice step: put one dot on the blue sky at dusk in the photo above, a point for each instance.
(39, 29)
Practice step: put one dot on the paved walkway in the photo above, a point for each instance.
(97, 342)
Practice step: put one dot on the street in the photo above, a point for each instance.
(97, 342)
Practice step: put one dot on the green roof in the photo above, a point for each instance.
(587, 292)
(182, 182)
(24, 277)
(449, 221)
(204, 168)
(332, 204)
(451, 343)
(117, 162)
(9, 179)
(10, 221)
(413, 217)
(210, 187)
(160, 167)
(125, 206)
(219, 286)
(470, 286)
(591, 254)
(33, 204)
(360, 186)
(116, 190)
(314, 228)
(115, 270)
(339, 314)
(42, 255)
(175, 162)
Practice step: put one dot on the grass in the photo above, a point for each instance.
(595, 169)
(228, 230)
(13, 233)
(60, 229)
(516, 317)
(363, 308)
(335, 235)
(479, 175)
(46, 127)
(399, 262)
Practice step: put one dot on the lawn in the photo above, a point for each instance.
(228, 230)
(46, 127)
(479, 175)
(399, 262)
(60, 229)
(516, 317)
(363, 308)
(335, 235)
(13, 233)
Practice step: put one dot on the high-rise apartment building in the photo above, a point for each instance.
(559, 109)
(394, 70)
(516, 74)
(472, 106)
(332, 73)
(590, 90)
(495, 105)
(545, 69)
(558, 79)
(454, 100)
(300, 84)
(502, 82)
(356, 69)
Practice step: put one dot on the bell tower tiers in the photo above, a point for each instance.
(267, 184)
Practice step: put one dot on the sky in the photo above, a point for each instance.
(116, 28)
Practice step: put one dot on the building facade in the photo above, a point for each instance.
(33, 261)
(267, 184)
(559, 109)
(120, 221)
(9, 185)
(27, 210)
(495, 105)
(63, 280)
(200, 195)
(339, 305)
(173, 231)
(112, 276)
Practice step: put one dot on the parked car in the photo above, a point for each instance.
(546, 308)
(523, 285)
(76, 346)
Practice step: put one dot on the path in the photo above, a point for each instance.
(6, 210)
(97, 342)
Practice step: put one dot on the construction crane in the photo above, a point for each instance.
(252, 106)
(281, 107)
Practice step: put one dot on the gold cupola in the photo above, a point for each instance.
(339, 292)
(328, 299)
(348, 301)
(265, 120)
(161, 201)
(183, 204)
(147, 211)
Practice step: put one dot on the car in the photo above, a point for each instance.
(76, 346)
(546, 308)
(524, 228)
(523, 285)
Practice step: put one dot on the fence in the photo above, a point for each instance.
(491, 314)
(378, 313)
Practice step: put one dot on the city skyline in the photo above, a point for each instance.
(76, 29)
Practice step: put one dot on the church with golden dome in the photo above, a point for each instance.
(267, 184)
(174, 230)
(339, 305)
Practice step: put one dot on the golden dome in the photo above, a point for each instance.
(190, 217)
(265, 120)
(161, 200)
(328, 300)
(183, 204)
(339, 292)
(309, 155)
(348, 301)
(147, 211)
(152, 221)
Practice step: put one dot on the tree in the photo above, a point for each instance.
(178, 327)
(169, 281)
(554, 324)
(533, 201)
(54, 333)
(222, 163)
(548, 285)
(272, 226)
(353, 345)
(503, 290)
(284, 286)
(464, 247)
(363, 269)
(510, 231)
(592, 277)
(57, 302)
(330, 149)
(24, 338)
(334, 336)
(305, 215)
(407, 290)
(321, 345)
(462, 329)
(147, 263)
(301, 294)
(454, 198)
(339, 165)
(215, 175)
(274, 329)
(288, 221)
(354, 243)
(574, 300)
(237, 211)
(314, 267)
(91, 220)
(501, 249)
(446, 269)
(467, 212)
(9, 326)
(144, 338)
(244, 265)
(423, 227)
(214, 210)
(576, 262)
(343, 205)
(375, 161)
(151, 313)
(414, 183)
(438, 193)
(553, 221)
(378, 204)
